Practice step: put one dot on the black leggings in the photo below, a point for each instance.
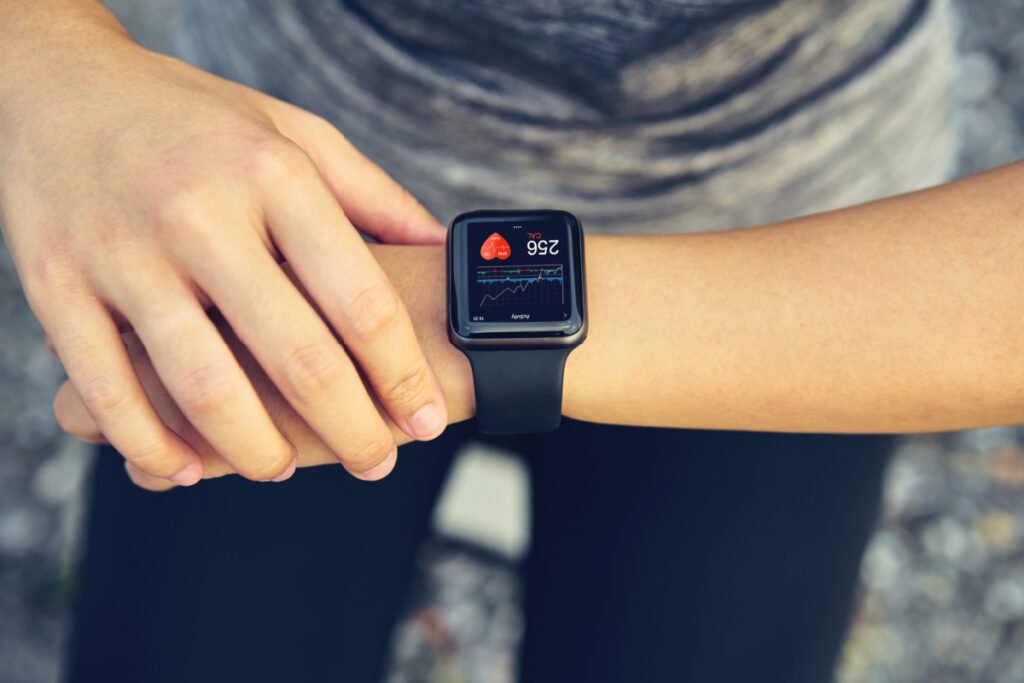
(656, 555)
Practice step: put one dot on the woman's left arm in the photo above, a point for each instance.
(900, 315)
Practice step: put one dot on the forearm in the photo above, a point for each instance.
(897, 316)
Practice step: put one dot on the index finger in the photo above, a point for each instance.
(335, 266)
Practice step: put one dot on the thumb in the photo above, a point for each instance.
(371, 199)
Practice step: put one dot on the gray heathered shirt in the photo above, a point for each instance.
(642, 116)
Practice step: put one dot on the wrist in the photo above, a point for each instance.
(418, 274)
(577, 402)
(49, 48)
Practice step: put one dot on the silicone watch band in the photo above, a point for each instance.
(518, 391)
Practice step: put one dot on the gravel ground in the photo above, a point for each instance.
(943, 581)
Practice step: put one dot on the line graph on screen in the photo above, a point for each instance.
(521, 285)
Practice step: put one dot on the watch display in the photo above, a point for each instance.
(517, 270)
(516, 308)
(516, 273)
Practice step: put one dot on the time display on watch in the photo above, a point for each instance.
(517, 270)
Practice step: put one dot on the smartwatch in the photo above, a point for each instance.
(517, 307)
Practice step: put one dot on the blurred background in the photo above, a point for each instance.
(942, 587)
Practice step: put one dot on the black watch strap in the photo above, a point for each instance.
(518, 391)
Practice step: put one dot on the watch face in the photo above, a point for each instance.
(516, 273)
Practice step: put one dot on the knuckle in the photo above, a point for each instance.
(120, 266)
(312, 369)
(369, 454)
(103, 397)
(115, 240)
(153, 455)
(50, 267)
(50, 277)
(410, 387)
(319, 125)
(181, 204)
(276, 161)
(373, 310)
(323, 123)
(269, 466)
(205, 391)
(201, 245)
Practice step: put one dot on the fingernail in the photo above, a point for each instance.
(427, 422)
(379, 471)
(189, 475)
(288, 472)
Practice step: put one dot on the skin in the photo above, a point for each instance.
(896, 316)
(137, 191)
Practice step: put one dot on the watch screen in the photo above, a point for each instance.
(518, 270)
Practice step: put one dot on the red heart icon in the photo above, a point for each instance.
(495, 246)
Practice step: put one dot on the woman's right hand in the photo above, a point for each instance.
(418, 274)
(136, 191)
